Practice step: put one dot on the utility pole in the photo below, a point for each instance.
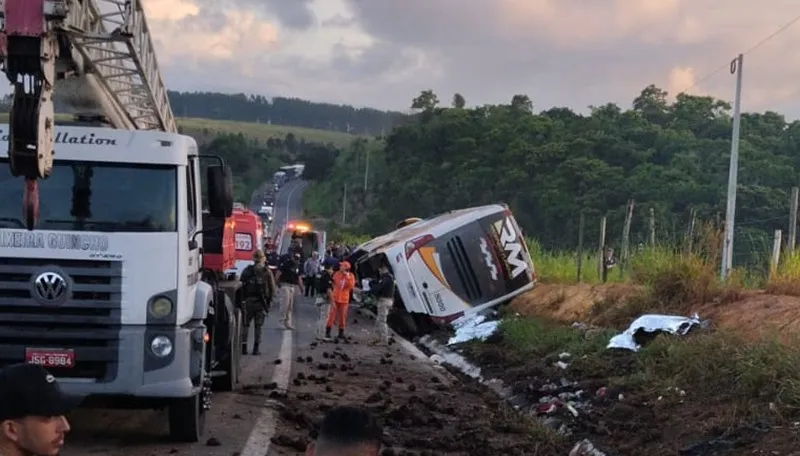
(792, 241)
(366, 168)
(344, 205)
(733, 172)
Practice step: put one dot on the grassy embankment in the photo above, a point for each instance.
(747, 372)
(205, 130)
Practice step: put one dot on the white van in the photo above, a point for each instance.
(455, 264)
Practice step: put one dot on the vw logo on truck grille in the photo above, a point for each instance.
(50, 287)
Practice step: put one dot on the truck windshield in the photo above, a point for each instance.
(91, 196)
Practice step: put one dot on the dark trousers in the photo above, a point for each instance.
(310, 286)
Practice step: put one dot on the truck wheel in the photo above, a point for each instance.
(232, 364)
(187, 416)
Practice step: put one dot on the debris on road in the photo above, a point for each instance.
(647, 327)
(424, 409)
(585, 448)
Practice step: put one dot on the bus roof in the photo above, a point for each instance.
(441, 222)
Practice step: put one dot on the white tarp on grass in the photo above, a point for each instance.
(670, 324)
(472, 327)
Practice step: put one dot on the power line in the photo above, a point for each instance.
(764, 41)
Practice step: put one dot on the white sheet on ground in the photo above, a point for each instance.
(472, 327)
(652, 323)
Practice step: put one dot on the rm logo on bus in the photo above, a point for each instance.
(487, 258)
(512, 246)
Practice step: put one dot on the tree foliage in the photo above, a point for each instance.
(284, 111)
(669, 156)
(252, 162)
(277, 110)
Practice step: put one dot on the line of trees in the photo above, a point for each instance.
(671, 156)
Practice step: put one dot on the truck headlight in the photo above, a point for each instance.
(161, 346)
(160, 307)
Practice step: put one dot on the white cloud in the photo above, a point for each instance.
(560, 52)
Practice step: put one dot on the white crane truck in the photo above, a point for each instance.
(101, 273)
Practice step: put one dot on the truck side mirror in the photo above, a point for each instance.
(220, 191)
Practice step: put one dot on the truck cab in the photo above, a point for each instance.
(107, 290)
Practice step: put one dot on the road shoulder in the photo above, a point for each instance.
(424, 409)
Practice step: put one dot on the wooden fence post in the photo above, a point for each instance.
(581, 227)
(776, 253)
(601, 263)
(626, 238)
(792, 241)
(690, 232)
(652, 227)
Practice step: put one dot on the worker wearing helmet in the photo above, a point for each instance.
(343, 283)
(258, 288)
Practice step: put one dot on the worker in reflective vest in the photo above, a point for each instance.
(343, 283)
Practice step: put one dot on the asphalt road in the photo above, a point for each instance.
(240, 422)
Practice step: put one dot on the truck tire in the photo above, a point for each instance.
(232, 364)
(187, 416)
(187, 419)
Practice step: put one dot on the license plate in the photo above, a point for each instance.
(47, 357)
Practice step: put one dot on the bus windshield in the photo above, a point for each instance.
(92, 196)
(484, 260)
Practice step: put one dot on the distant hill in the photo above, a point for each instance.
(284, 111)
(289, 112)
(205, 130)
(205, 115)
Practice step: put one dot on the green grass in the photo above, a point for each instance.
(708, 363)
(786, 279)
(562, 267)
(206, 129)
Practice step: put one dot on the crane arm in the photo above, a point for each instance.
(99, 54)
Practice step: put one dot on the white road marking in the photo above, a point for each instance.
(259, 441)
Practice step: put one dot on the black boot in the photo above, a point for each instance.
(244, 349)
(255, 349)
(328, 333)
(341, 333)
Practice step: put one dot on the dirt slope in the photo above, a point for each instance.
(753, 313)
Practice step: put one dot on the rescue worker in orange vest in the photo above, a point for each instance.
(343, 283)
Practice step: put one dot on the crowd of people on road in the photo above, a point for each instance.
(329, 280)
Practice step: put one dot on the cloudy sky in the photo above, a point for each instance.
(574, 53)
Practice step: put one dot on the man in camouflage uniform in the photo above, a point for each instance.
(383, 289)
(258, 288)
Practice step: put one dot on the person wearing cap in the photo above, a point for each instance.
(343, 283)
(324, 299)
(32, 411)
(289, 283)
(258, 288)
